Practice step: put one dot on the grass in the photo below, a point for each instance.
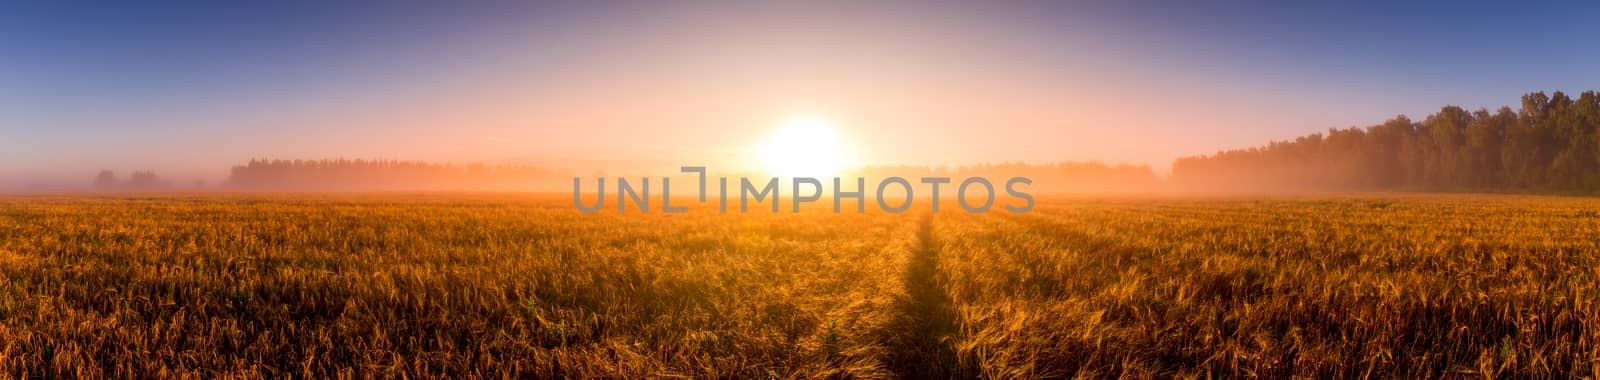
(466, 285)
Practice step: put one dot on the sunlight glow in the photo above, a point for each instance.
(804, 146)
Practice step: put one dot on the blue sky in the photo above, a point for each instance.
(188, 88)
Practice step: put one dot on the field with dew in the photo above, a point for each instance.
(510, 285)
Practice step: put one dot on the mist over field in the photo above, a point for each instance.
(1551, 144)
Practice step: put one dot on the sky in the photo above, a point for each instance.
(188, 89)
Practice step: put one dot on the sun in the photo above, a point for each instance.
(804, 146)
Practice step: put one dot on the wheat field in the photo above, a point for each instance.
(516, 285)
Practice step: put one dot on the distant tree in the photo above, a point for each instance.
(105, 180)
(145, 180)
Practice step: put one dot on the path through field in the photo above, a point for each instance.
(927, 319)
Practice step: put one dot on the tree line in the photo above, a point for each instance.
(139, 180)
(361, 174)
(345, 174)
(1551, 144)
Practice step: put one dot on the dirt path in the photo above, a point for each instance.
(926, 320)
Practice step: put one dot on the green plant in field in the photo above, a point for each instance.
(240, 299)
(530, 307)
(830, 339)
(7, 305)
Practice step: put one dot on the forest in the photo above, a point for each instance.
(1549, 145)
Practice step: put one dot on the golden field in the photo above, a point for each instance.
(506, 285)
